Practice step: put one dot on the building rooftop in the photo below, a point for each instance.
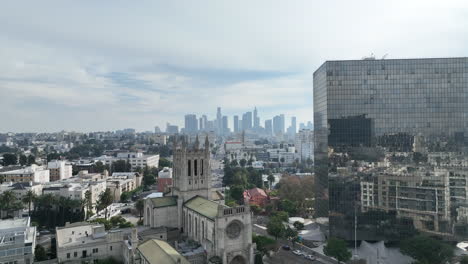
(160, 252)
(14, 223)
(164, 201)
(203, 206)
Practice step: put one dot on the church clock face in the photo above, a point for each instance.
(233, 230)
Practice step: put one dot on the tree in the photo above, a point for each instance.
(120, 166)
(53, 156)
(258, 259)
(271, 179)
(298, 225)
(105, 199)
(275, 227)
(264, 243)
(237, 193)
(31, 159)
(40, 253)
(9, 203)
(337, 248)
(234, 163)
(464, 260)
(426, 249)
(290, 233)
(125, 196)
(283, 216)
(163, 162)
(297, 190)
(255, 209)
(29, 198)
(9, 159)
(99, 167)
(288, 206)
(140, 206)
(88, 203)
(23, 160)
(243, 162)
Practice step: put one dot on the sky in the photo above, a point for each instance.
(112, 64)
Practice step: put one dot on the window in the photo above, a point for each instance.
(195, 167)
(75, 254)
(201, 167)
(95, 250)
(110, 248)
(68, 255)
(189, 168)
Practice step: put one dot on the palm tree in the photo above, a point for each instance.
(29, 198)
(105, 199)
(271, 179)
(88, 203)
(9, 202)
(140, 205)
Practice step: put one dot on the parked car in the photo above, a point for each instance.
(310, 257)
(286, 247)
(298, 252)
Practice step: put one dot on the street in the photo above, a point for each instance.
(287, 257)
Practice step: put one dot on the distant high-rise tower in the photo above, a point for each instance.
(219, 121)
(191, 124)
(200, 124)
(268, 127)
(225, 129)
(236, 124)
(256, 119)
(172, 129)
(205, 121)
(292, 129)
(247, 121)
(278, 125)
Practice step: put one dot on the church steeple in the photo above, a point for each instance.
(207, 145)
(197, 143)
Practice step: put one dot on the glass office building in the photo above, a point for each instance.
(391, 144)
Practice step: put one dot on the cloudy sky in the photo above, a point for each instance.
(106, 65)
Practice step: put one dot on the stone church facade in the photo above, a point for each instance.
(196, 210)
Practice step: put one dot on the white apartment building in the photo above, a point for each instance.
(17, 241)
(76, 188)
(282, 155)
(59, 170)
(136, 159)
(87, 242)
(165, 173)
(305, 145)
(33, 173)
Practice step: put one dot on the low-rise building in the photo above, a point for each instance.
(59, 170)
(256, 196)
(136, 159)
(121, 182)
(164, 179)
(33, 173)
(86, 242)
(17, 241)
(156, 251)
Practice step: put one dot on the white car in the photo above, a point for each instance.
(297, 252)
(309, 257)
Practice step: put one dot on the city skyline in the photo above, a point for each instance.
(135, 69)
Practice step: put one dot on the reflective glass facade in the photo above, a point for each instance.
(391, 141)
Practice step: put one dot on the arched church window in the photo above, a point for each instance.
(195, 167)
(202, 163)
(189, 168)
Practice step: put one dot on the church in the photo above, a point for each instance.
(198, 211)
